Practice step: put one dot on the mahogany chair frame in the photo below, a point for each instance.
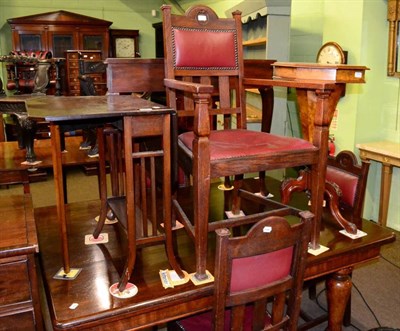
(347, 212)
(197, 85)
(271, 240)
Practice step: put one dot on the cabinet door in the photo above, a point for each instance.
(62, 41)
(92, 41)
(29, 40)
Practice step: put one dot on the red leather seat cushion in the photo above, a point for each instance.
(346, 182)
(226, 144)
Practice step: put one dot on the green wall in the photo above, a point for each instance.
(368, 112)
(125, 14)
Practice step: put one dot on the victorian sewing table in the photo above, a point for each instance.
(318, 89)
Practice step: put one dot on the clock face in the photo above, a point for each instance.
(331, 53)
(124, 47)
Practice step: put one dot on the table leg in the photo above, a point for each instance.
(316, 112)
(167, 194)
(386, 181)
(338, 287)
(58, 181)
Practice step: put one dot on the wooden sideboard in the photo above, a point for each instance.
(19, 296)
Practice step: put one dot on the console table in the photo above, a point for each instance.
(387, 153)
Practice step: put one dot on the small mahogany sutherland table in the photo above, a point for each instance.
(99, 110)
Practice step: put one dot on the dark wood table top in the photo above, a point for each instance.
(61, 108)
(101, 265)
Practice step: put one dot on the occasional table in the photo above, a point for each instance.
(387, 153)
(99, 110)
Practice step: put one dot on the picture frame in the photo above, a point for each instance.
(124, 43)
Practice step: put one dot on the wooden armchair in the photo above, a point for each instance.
(204, 71)
(241, 289)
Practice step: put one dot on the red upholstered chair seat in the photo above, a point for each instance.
(225, 144)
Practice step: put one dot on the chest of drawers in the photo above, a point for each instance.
(88, 63)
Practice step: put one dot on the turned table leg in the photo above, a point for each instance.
(338, 287)
(386, 182)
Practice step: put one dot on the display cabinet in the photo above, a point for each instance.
(58, 32)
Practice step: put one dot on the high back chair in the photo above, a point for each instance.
(258, 278)
(204, 72)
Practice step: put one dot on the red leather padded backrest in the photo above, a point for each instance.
(254, 271)
(196, 48)
(346, 182)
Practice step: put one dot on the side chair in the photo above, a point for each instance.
(266, 263)
(204, 72)
(345, 185)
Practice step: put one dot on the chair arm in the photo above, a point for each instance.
(188, 86)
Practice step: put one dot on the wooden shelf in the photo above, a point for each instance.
(255, 42)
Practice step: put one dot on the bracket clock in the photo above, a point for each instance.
(124, 43)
